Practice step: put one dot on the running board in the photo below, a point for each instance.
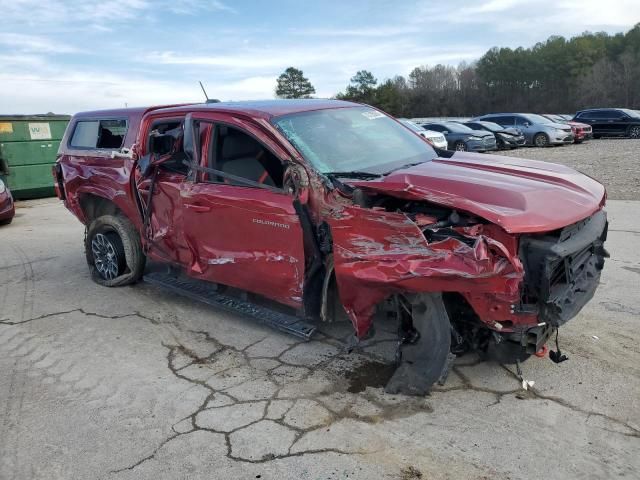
(202, 292)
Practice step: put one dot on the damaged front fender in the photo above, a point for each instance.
(379, 253)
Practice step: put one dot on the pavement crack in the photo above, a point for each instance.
(65, 312)
(634, 432)
(148, 457)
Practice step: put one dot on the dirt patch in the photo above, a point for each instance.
(369, 374)
(410, 473)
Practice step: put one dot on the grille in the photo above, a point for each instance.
(562, 269)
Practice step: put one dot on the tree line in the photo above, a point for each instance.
(555, 76)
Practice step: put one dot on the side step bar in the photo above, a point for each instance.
(201, 292)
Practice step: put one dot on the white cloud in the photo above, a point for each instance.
(33, 43)
(69, 55)
(534, 17)
(55, 12)
(78, 91)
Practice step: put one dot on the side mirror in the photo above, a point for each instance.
(526, 124)
(445, 132)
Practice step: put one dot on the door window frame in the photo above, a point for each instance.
(197, 167)
(71, 147)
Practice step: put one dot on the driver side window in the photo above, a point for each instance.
(237, 153)
(160, 133)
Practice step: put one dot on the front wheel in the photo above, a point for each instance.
(634, 131)
(460, 146)
(114, 251)
(425, 344)
(541, 140)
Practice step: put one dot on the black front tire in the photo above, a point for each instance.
(634, 131)
(116, 235)
(7, 221)
(423, 362)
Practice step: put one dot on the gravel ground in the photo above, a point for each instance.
(615, 162)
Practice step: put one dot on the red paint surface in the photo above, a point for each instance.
(252, 239)
(579, 129)
(7, 208)
(519, 195)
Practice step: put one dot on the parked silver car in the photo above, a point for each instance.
(538, 131)
(436, 139)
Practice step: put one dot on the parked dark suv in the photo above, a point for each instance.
(618, 122)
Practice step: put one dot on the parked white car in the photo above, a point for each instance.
(436, 139)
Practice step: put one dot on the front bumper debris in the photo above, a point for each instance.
(562, 271)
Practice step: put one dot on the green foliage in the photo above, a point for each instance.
(361, 89)
(558, 75)
(293, 84)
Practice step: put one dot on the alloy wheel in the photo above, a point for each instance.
(634, 132)
(541, 140)
(105, 256)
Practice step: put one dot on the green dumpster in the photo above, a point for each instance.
(28, 148)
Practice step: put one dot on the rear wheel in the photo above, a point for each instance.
(541, 140)
(425, 344)
(6, 222)
(634, 131)
(114, 251)
(460, 146)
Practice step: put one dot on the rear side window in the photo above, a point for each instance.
(99, 134)
(505, 121)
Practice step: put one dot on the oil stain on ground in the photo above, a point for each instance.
(369, 374)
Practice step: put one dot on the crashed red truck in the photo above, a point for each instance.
(304, 210)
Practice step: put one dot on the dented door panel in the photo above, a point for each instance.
(249, 238)
(165, 233)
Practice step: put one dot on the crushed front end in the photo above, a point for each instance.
(561, 274)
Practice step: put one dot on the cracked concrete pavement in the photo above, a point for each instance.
(137, 383)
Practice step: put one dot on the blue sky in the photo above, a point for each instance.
(71, 55)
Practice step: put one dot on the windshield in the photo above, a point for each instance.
(535, 118)
(631, 113)
(411, 125)
(457, 127)
(494, 127)
(353, 139)
(555, 118)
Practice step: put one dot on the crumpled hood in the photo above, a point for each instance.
(519, 195)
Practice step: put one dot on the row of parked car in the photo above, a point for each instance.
(503, 131)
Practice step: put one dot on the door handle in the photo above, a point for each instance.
(197, 208)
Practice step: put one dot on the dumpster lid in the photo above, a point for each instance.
(37, 117)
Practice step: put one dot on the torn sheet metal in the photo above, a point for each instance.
(379, 253)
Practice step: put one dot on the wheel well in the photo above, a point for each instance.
(94, 206)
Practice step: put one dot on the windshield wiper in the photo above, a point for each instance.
(353, 174)
(408, 165)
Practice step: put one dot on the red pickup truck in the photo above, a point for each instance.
(303, 211)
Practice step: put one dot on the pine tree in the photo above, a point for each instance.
(293, 84)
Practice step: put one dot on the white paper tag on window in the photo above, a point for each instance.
(372, 114)
(40, 131)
